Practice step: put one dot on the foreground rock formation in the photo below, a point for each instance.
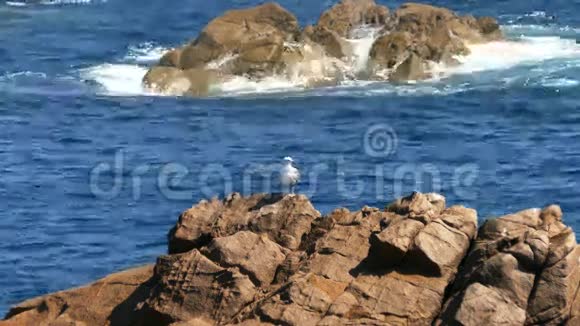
(267, 41)
(274, 260)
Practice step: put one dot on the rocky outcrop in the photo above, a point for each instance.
(350, 14)
(252, 40)
(110, 301)
(284, 219)
(274, 260)
(267, 40)
(174, 81)
(337, 24)
(523, 270)
(425, 34)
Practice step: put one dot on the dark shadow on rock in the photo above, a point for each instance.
(179, 246)
(410, 264)
(127, 313)
(268, 200)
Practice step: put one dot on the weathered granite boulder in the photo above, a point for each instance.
(337, 24)
(266, 41)
(255, 34)
(247, 41)
(419, 34)
(347, 15)
(190, 286)
(284, 219)
(174, 81)
(524, 268)
(274, 260)
(109, 301)
(331, 42)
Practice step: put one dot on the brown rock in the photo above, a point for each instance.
(420, 207)
(110, 300)
(252, 41)
(237, 30)
(555, 291)
(575, 311)
(551, 215)
(171, 58)
(256, 256)
(421, 33)
(523, 268)
(191, 286)
(173, 81)
(329, 40)
(391, 49)
(439, 247)
(393, 243)
(285, 219)
(481, 305)
(413, 68)
(304, 303)
(350, 14)
(273, 260)
(490, 28)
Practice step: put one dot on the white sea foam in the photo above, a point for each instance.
(22, 74)
(52, 2)
(68, 2)
(16, 4)
(125, 79)
(239, 85)
(219, 63)
(361, 43)
(117, 79)
(547, 54)
(145, 53)
(507, 54)
(559, 82)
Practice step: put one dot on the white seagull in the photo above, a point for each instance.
(289, 175)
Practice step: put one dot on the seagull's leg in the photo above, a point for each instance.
(292, 189)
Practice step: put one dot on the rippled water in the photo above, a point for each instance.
(500, 133)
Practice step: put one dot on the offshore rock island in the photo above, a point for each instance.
(275, 260)
(353, 40)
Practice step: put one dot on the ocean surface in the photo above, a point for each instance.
(94, 171)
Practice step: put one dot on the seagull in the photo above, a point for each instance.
(289, 175)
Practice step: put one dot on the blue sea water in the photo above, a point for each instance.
(94, 171)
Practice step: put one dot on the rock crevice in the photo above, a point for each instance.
(267, 41)
(274, 260)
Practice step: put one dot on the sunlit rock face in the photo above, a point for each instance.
(353, 40)
(274, 260)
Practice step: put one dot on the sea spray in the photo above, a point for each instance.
(361, 42)
(502, 55)
(317, 69)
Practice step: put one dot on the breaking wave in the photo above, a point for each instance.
(532, 52)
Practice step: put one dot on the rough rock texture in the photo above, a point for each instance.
(337, 24)
(190, 286)
(523, 269)
(284, 219)
(255, 34)
(109, 301)
(349, 14)
(425, 34)
(174, 81)
(273, 260)
(253, 38)
(267, 40)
